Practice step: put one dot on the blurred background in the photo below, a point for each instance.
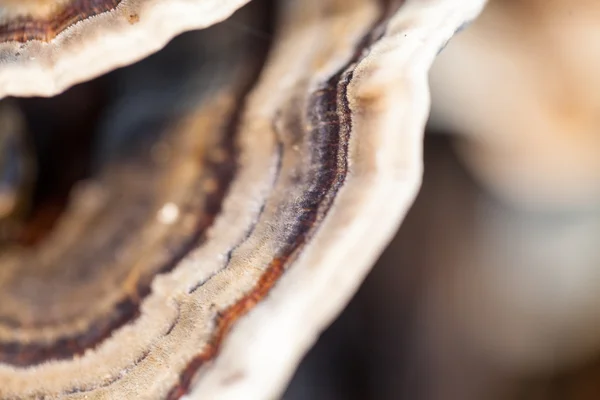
(491, 287)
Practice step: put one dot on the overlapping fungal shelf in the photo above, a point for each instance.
(206, 260)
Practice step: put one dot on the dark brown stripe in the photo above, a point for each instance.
(23, 29)
(314, 206)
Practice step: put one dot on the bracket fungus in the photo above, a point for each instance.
(235, 192)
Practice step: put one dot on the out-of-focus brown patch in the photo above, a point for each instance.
(133, 18)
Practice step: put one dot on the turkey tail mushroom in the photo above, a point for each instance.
(207, 263)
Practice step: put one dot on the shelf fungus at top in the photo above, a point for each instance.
(199, 216)
(48, 45)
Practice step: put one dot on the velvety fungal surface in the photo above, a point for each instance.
(198, 217)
